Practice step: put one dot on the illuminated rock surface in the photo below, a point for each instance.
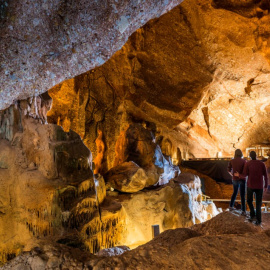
(49, 192)
(225, 242)
(127, 177)
(199, 74)
(191, 83)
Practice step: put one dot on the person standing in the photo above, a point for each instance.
(257, 183)
(237, 165)
(267, 165)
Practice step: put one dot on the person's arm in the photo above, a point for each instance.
(265, 177)
(244, 173)
(229, 169)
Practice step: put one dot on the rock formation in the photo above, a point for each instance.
(49, 192)
(191, 83)
(37, 162)
(225, 242)
(46, 42)
(100, 152)
(127, 177)
(202, 86)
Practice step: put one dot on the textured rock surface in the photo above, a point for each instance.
(137, 144)
(42, 169)
(189, 249)
(45, 42)
(48, 190)
(127, 177)
(32, 178)
(202, 69)
(173, 249)
(175, 205)
(127, 219)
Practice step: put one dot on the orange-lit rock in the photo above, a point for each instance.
(201, 246)
(202, 69)
(37, 163)
(127, 177)
(100, 152)
(192, 83)
(50, 192)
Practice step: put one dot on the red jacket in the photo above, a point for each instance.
(237, 165)
(256, 172)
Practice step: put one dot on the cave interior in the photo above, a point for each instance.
(117, 123)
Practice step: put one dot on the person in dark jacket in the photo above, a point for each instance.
(257, 182)
(237, 165)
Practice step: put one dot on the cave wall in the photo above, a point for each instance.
(49, 193)
(36, 163)
(198, 76)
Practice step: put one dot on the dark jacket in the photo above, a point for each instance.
(237, 165)
(256, 172)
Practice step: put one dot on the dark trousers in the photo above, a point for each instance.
(236, 185)
(258, 198)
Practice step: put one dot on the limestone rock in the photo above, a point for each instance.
(46, 42)
(189, 74)
(135, 144)
(42, 171)
(174, 205)
(100, 152)
(178, 248)
(56, 153)
(189, 249)
(127, 177)
(105, 229)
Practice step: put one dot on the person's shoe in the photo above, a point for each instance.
(231, 208)
(257, 223)
(251, 219)
(243, 213)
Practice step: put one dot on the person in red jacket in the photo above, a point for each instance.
(237, 165)
(257, 182)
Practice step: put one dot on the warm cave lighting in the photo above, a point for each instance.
(219, 154)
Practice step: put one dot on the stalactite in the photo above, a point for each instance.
(105, 232)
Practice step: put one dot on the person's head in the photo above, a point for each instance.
(238, 153)
(253, 155)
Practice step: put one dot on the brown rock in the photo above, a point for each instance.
(127, 177)
(100, 152)
(135, 144)
(205, 95)
(43, 170)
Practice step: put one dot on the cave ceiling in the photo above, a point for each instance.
(44, 42)
(199, 72)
